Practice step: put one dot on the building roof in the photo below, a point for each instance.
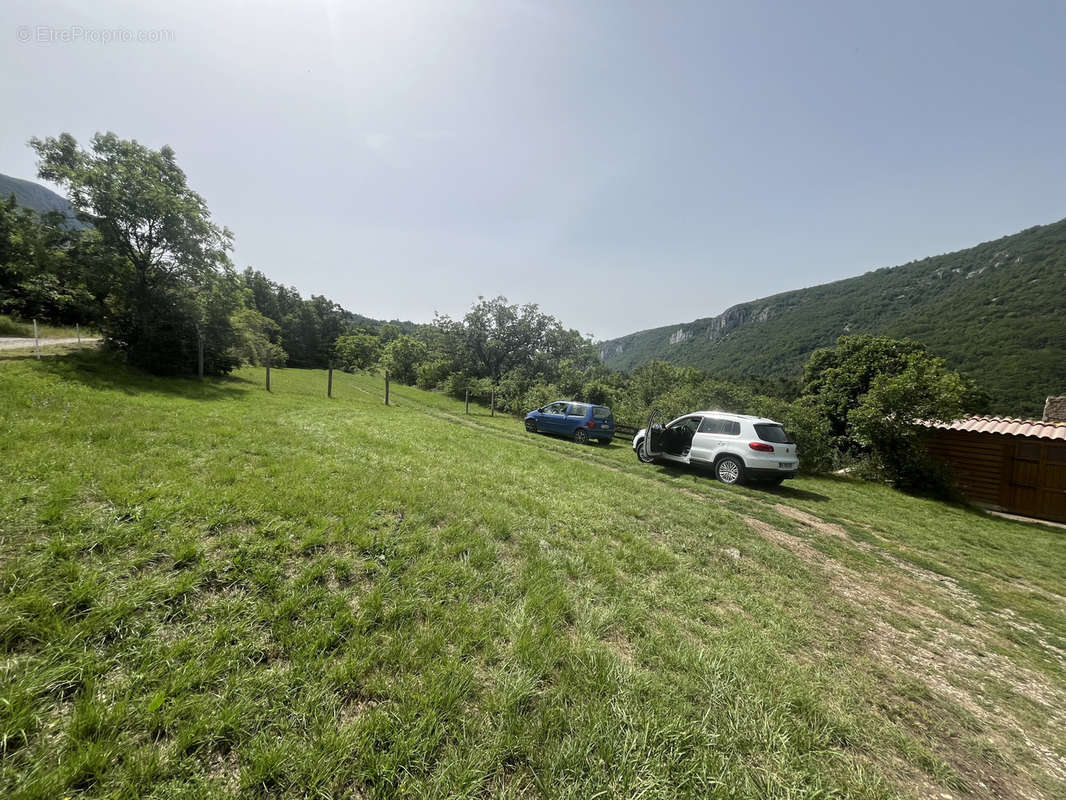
(1005, 425)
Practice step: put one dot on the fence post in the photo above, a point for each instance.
(386, 387)
(467, 401)
(268, 370)
(329, 385)
(200, 355)
(492, 403)
(77, 328)
(36, 342)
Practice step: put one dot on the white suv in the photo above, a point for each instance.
(737, 447)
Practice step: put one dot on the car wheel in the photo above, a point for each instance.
(531, 426)
(729, 470)
(640, 453)
(581, 436)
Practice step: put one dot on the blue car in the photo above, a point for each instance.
(579, 421)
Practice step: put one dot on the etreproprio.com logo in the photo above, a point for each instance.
(76, 34)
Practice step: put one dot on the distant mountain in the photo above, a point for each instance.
(41, 199)
(996, 312)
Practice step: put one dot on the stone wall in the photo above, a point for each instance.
(1055, 409)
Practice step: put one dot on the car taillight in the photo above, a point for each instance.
(592, 424)
(762, 448)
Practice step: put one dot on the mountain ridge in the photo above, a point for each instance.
(41, 199)
(995, 311)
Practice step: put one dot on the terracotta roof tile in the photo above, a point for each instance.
(1005, 425)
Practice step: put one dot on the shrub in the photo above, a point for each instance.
(356, 351)
(432, 374)
(402, 358)
(8, 327)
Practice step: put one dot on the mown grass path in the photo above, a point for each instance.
(209, 590)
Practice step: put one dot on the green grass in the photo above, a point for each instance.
(14, 327)
(209, 590)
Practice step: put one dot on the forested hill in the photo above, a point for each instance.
(996, 312)
(32, 195)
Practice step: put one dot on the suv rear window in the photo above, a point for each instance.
(772, 433)
(601, 412)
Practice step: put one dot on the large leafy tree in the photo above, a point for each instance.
(872, 392)
(836, 379)
(170, 278)
(496, 337)
(887, 421)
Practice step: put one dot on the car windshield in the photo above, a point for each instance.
(601, 412)
(773, 433)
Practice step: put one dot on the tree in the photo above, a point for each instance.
(42, 267)
(171, 268)
(836, 379)
(871, 393)
(402, 357)
(887, 421)
(356, 351)
(258, 338)
(495, 337)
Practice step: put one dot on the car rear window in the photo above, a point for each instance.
(601, 412)
(772, 433)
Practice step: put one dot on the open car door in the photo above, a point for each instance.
(651, 445)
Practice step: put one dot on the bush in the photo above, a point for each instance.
(810, 429)
(402, 357)
(356, 351)
(257, 338)
(456, 384)
(598, 393)
(511, 391)
(432, 374)
(538, 395)
(8, 327)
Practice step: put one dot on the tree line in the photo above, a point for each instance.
(151, 271)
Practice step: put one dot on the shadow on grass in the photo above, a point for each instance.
(783, 491)
(791, 492)
(103, 370)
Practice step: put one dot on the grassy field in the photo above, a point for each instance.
(209, 590)
(22, 328)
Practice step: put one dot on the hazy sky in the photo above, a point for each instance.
(624, 165)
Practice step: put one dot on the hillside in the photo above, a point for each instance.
(996, 312)
(209, 590)
(40, 198)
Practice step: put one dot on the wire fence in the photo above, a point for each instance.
(620, 429)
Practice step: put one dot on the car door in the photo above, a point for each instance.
(575, 417)
(652, 443)
(717, 435)
(552, 417)
(704, 441)
(684, 434)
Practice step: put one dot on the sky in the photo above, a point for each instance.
(622, 164)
